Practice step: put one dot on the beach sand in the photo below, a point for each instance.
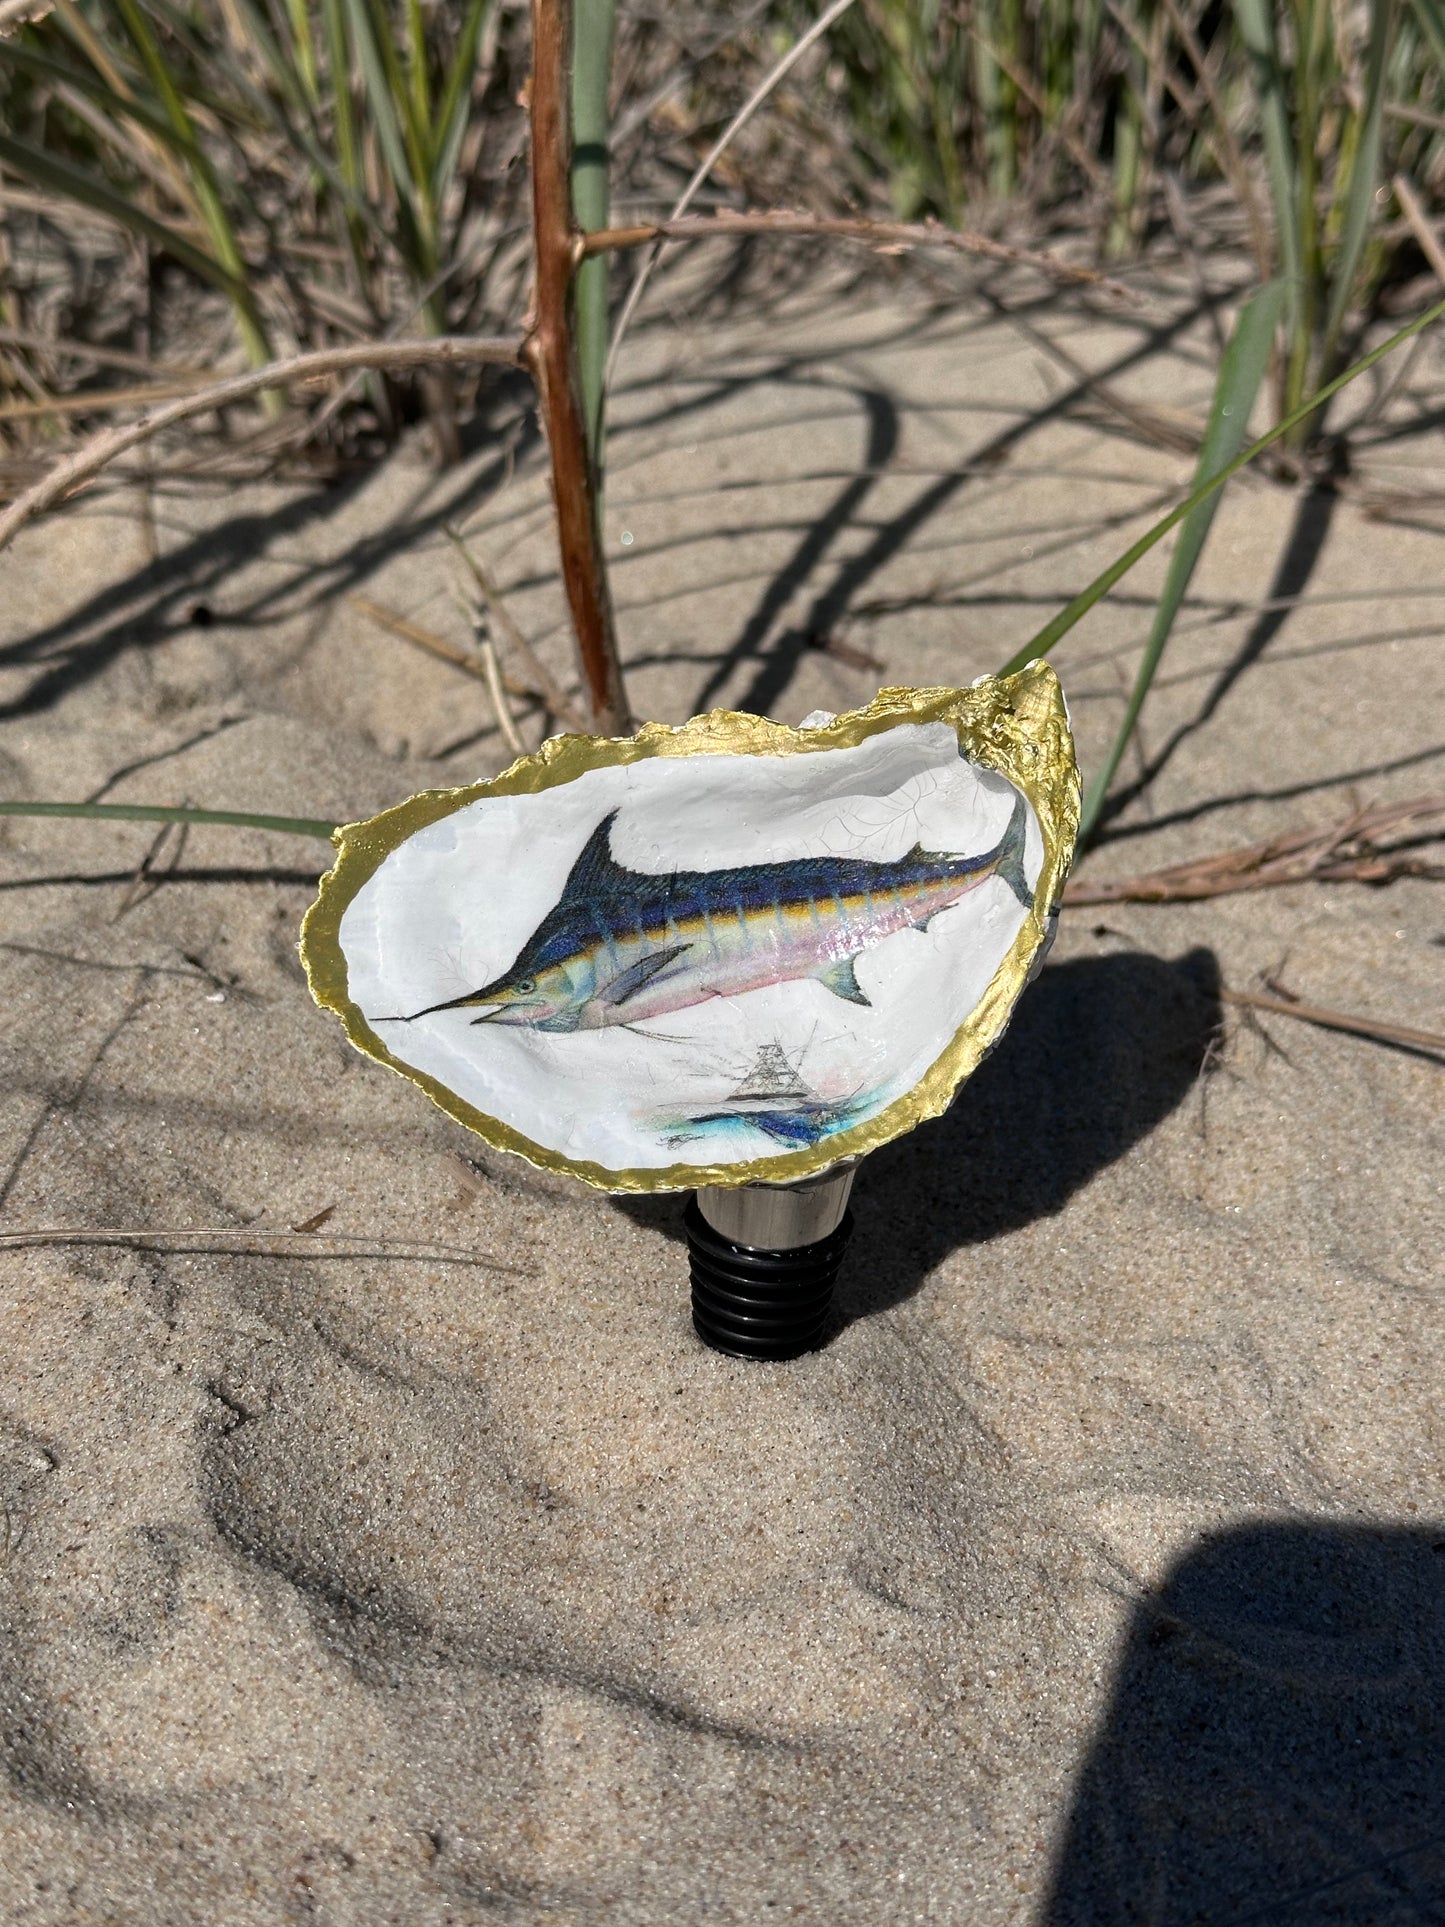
(423, 1568)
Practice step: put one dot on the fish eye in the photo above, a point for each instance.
(524, 986)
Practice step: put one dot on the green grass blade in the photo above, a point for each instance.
(359, 212)
(207, 188)
(18, 53)
(171, 128)
(403, 143)
(183, 139)
(451, 116)
(1431, 16)
(221, 84)
(338, 53)
(75, 184)
(161, 813)
(1074, 611)
(287, 113)
(304, 48)
(380, 91)
(153, 61)
(403, 100)
(295, 78)
(1364, 179)
(1241, 371)
(1256, 28)
(418, 93)
(295, 117)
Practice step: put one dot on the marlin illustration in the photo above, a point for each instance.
(624, 945)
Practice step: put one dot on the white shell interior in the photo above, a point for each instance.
(736, 1078)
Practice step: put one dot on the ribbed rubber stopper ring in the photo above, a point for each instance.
(761, 1304)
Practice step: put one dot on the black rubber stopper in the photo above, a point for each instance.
(761, 1304)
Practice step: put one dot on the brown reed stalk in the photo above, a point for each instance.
(551, 354)
(894, 236)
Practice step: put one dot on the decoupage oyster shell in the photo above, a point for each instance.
(728, 953)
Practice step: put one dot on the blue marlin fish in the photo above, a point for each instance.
(624, 945)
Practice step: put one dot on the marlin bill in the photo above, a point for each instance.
(622, 945)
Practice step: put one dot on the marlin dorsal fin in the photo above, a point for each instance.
(596, 872)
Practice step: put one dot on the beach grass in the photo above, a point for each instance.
(329, 168)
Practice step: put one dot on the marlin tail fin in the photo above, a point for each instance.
(1006, 862)
(1009, 863)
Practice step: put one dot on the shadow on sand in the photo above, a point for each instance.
(1100, 1050)
(1274, 1749)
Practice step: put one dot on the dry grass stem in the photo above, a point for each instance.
(1431, 1042)
(97, 401)
(889, 236)
(436, 645)
(103, 356)
(777, 73)
(1347, 852)
(552, 692)
(169, 842)
(96, 454)
(1421, 229)
(1089, 164)
(317, 1219)
(1414, 116)
(237, 1241)
(1222, 137)
(491, 669)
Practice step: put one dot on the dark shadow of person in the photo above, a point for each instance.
(1100, 1049)
(1274, 1750)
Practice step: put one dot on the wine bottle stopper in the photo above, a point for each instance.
(730, 958)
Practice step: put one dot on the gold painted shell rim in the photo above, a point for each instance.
(1017, 725)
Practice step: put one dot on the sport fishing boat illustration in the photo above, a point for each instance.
(774, 1099)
